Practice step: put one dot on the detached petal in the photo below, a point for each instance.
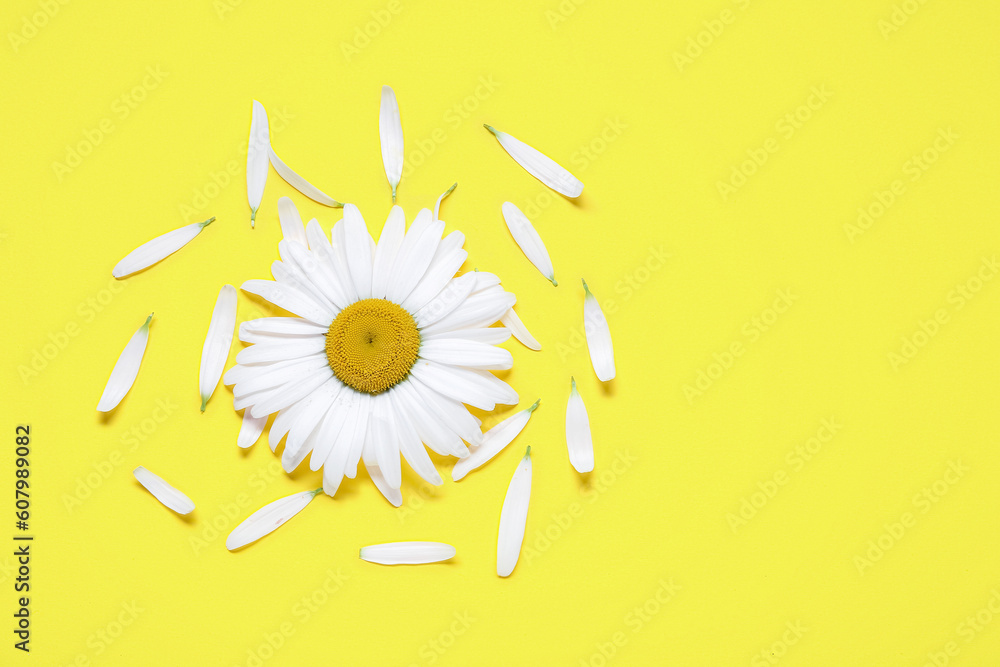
(528, 240)
(250, 429)
(257, 149)
(518, 330)
(299, 183)
(595, 325)
(539, 165)
(292, 228)
(151, 252)
(166, 494)
(268, 518)
(513, 517)
(407, 553)
(578, 441)
(390, 131)
(125, 370)
(215, 351)
(494, 441)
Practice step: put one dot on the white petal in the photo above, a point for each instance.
(273, 376)
(385, 254)
(291, 299)
(315, 407)
(595, 325)
(449, 411)
(393, 495)
(125, 370)
(528, 240)
(578, 441)
(390, 131)
(467, 354)
(327, 276)
(442, 269)
(407, 553)
(448, 299)
(409, 442)
(465, 385)
(339, 262)
(520, 332)
(385, 440)
(359, 254)
(289, 393)
(165, 493)
(151, 252)
(292, 228)
(488, 335)
(219, 339)
(250, 429)
(299, 183)
(494, 441)
(479, 310)
(294, 348)
(258, 146)
(539, 165)
(268, 518)
(437, 204)
(282, 326)
(429, 427)
(513, 517)
(414, 256)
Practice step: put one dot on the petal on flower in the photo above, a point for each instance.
(539, 165)
(257, 150)
(513, 517)
(446, 262)
(393, 495)
(250, 429)
(467, 354)
(414, 256)
(481, 309)
(595, 325)
(359, 252)
(488, 335)
(437, 204)
(429, 425)
(410, 445)
(153, 251)
(578, 441)
(494, 441)
(385, 252)
(510, 320)
(268, 518)
(384, 441)
(164, 492)
(390, 132)
(282, 326)
(289, 348)
(461, 384)
(528, 240)
(299, 183)
(292, 228)
(219, 339)
(125, 370)
(290, 299)
(407, 553)
(448, 411)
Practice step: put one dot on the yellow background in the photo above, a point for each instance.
(661, 133)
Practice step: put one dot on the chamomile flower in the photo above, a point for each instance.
(385, 346)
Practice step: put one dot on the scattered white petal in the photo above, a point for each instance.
(125, 370)
(268, 518)
(215, 351)
(494, 441)
(257, 149)
(595, 325)
(539, 165)
(292, 228)
(250, 429)
(390, 131)
(528, 240)
(165, 493)
(407, 553)
(578, 440)
(153, 251)
(437, 204)
(301, 184)
(513, 517)
(510, 320)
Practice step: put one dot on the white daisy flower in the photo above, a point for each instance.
(387, 346)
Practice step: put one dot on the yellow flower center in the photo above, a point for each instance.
(372, 345)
